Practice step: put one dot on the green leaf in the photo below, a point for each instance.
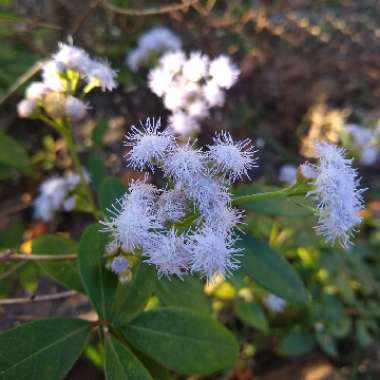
(131, 298)
(327, 344)
(98, 132)
(96, 168)
(42, 350)
(182, 340)
(99, 283)
(121, 363)
(270, 270)
(12, 153)
(252, 314)
(110, 190)
(296, 342)
(186, 293)
(65, 272)
(12, 236)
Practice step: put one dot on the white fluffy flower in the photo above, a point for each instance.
(119, 264)
(51, 72)
(168, 253)
(184, 163)
(173, 62)
(175, 98)
(288, 174)
(36, 90)
(148, 144)
(223, 72)
(101, 71)
(361, 137)
(71, 57)
(197, 109)
(369, 156)
(232, 159)
(274, 303)
(159, 80)
(183, 124)
(196, 67)
(26, 107)
(212, 253)
(213, 94)
(75, 108)
(339, 200)
(171, 206)
(155, 41)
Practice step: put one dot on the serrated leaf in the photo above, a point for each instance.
(131, 298)
(183, 340)
(270, 270)
(65, 272)
(121, 363)
(252, 314)
(186, 293)
(42, 350)
(99, 283)
(110, 190)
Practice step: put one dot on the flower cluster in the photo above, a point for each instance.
(188, 225)
(151, 45)
(365, 142)
(335, 189)
(70, 69)
(191, 86)
(288, 174)
(54, 194)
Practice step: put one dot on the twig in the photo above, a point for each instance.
(33, 70)
(9, 256)
(34, 298)
(150, 11)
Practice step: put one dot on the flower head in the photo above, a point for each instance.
(223, 72)
(212, 253)
(336, 191)
(148, 144)
(119, 264)
(232, 159)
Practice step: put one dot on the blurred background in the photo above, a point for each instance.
(309, 70)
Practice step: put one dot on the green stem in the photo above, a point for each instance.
(286, 192)
(78, 167)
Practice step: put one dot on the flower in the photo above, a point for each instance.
(168, 253)
(75, 108)
(119, 264)
(288, 174)
(148, 145)
(223, 72)
(189, 89)
(184, 163)
(26, 107)
(36, 90)
(101, 71)
(187, 226)
(337, 194)
(274, 303)
(212, 253)
(232, 159)
(154, 42)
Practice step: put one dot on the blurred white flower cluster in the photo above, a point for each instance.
(69, 70)
(274, 303)
(151, 45)
(191, 86)
(365, 142)
(336, 192)
(54, 194)
(187, 226)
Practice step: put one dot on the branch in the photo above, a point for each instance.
(150, 11)
(9, 256)
(33, 70)
(34, 298)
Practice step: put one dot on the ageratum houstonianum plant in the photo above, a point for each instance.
(182, 219)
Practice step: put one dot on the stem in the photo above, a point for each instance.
(9, 256)
(33, 298)
(78, 167)
(286, 192)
